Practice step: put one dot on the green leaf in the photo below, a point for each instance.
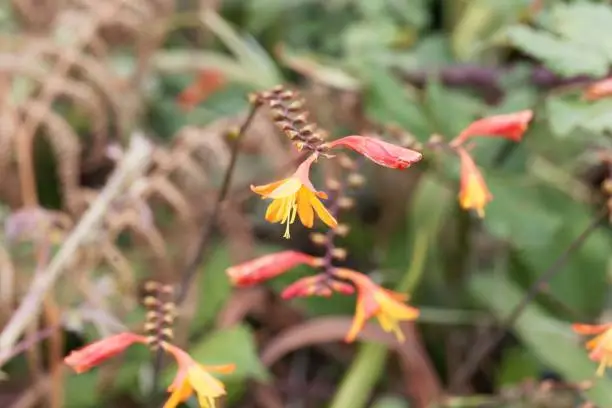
(390, 402)
(550, 340)
(517, 364)
(566, 114)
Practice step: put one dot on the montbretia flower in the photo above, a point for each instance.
(380, 152)
(473, 192)
(511, 126)
(599, 90)
(295, 196)
(316, 285)
(93, 354)
(207, 82)
(192, 377)
(374, 301)
(600, 346)
(267, 267)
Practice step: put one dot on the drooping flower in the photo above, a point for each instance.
(473, 192)
(295, 196)
(380, 152)
(267, 267)
(598, 90)
(84, 359)
(511, 126)
(317, 285)
(206, 82)
(600, 346)
(374, 301)
(193, 377)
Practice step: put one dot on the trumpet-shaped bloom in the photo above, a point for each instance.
(511, 126)
(267, 267)
(193, 377)
(380, 152)
(295, 196)
(600, 346)
(84, 359)
(473, 193)
(372, 300)
(317, 285)
(598, 90)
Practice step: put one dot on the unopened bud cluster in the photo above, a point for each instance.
(161, 312)
(290, 116)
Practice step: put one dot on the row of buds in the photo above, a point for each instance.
(161, 312)
(290, 116)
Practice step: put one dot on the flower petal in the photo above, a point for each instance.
(322, 212)
(180, 393)
(286, 189)
(276, 211)
(380, 152)
(267, 267)
(304, 208)
(599, 90)
(587, 329)
(511, 126)
(473, 193)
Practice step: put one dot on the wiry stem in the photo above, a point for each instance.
(190, 271)
(486, 345)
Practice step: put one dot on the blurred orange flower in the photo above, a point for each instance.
(316, 285)
(373, 300)
(599, 90)
(380, 152)
(207, 82)
(93, 354)
(295, 196)
(511, 126)
(267, 267)
(473, 193)
(193, 377)
(600, 346)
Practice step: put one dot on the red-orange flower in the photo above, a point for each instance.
(267, 267)
(95, 353)
(473, 193)
(207, 82)
(600, 346)
(192, 377)
(598, 90)
(510, 126)
(380, 152)
(372, 300)
(316, 285)
(295, 196)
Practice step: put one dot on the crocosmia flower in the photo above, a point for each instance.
(380, 152)
(473, 192)
(511, 126)
(600, 346)
(374, 301)
(295, 196)
(193, 377)
(267, 267)
(317, 285)
(599, 90)
(84, 359)
(207, 82)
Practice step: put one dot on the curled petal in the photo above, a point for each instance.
(511, 126)
(317, 285)
(267, 267)
(599, 90)
(93, 354)
(589, 329)
(473, 193)
(380, 152)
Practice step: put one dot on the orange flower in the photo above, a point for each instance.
(295, 196)
(600, 346)
(380, 152)
(194, 377)
(84, 359)
(372, 300)
(510, 126)
(599, 90)
(317, 285)
(473, 192)
(267, 267)
(207, 82)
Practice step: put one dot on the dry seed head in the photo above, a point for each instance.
(606, 186)
(167, 289)
(342, 230)
(278, 89)
(356, 180)
(339, 254)
(296, 106)
(287, 95)
(167, 333)
(333, 184)
(317, 262)
(150, 327)
(151, 286)
(318, 239)
(346, 203)
(150, 301)
(151, 316)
